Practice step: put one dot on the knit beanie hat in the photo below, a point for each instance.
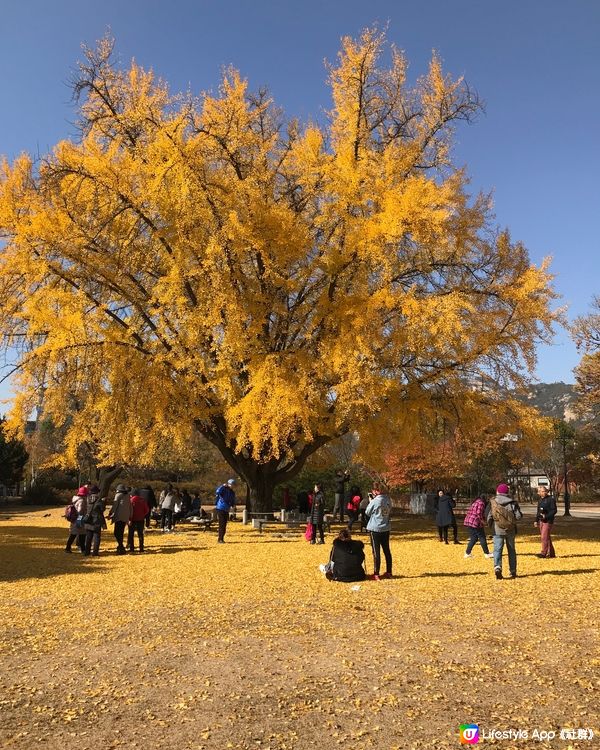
(502, 489)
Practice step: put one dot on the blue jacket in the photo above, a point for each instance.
(378, 512)
(225, 497)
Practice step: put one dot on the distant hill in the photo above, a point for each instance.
(554, 400)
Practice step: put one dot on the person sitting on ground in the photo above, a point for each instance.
(186, 502)
(346, 559)
(178, 509)
(196, 505)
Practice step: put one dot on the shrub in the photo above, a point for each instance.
(40, 494)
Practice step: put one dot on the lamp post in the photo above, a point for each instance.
(564, 433)
(567, 493)
(513, 477)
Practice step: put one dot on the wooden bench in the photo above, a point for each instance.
(260, 523)
(204, 523)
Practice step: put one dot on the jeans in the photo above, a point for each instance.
(547, 546)
(136, 526)
(381, 539)
(477, 535)
(499, 540)
(92, 542)
(166, 518)
(119, 532)
(223, 517)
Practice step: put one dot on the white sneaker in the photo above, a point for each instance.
(468, 554)
(322, 568)
(489, 555)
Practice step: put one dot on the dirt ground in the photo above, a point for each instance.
(195, 645)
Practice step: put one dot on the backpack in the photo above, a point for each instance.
(503, 516)
(71, 513)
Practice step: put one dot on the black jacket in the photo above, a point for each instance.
(546, 509)
(348, 557)
(340, 481)
(317, 512)
(444, 515)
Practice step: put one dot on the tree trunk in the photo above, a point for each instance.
(105, 478)
(261, 478)
(261, 498)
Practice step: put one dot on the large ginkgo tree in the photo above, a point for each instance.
(202, 264)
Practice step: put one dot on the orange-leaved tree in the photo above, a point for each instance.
(200, 265)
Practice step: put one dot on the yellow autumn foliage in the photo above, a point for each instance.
(195, 265)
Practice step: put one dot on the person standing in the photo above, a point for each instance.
(77, 530)
(148, 494)
(475, 523)
(453, 504)
(225, 501)
(167, 503)
(362, 508)
(353, 501)
(139, 511)
(544, 519)
(196, 505)
(94, 524)
(341, 477)
(119, 514)
(444, 516)
(504, 512)
(317, 515)
(379, 513)
(302, 502)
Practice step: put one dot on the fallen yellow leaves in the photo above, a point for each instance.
(246, 645)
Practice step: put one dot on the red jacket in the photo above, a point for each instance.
(139, 508)
(353, 503)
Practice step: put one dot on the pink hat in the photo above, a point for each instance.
(83, 492)
(502, 489)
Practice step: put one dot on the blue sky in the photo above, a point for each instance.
(535, 63)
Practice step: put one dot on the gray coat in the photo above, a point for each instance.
(513, 505)
(121, 507)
